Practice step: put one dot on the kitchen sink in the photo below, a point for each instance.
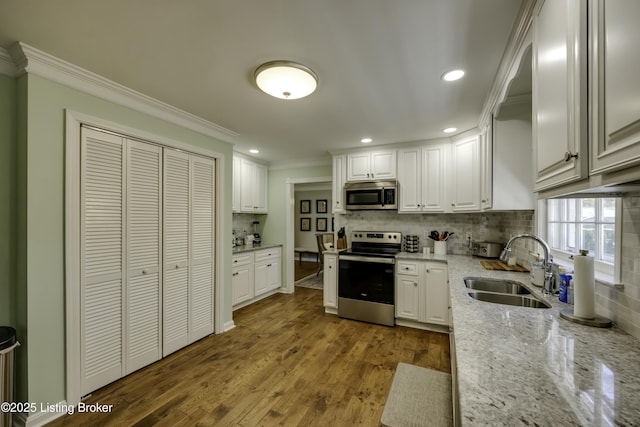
(509, 299)
(495, 285)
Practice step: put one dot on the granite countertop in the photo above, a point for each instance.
(250, 248)
(528, 366)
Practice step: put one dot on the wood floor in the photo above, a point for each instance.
(305, 268)
(286, 363)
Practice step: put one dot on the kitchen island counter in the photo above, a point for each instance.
(528, 366)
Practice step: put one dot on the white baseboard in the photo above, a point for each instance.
(228, 326)
(38, 419)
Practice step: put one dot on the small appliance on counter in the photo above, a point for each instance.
(486, 249)
(411, 243)
(256, 235)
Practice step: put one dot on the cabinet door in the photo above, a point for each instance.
(176, 251)
(242, 283)
(102, 249)
(247, 185)
(615, 68)
(260, 278)
(407, 297)
(330, 281)
(559, 93)
(235, 203)
(383, 164)
(274, 274)
(359, 167)
(339, 178)
(144, 218)
(486, 167)
(409, 180)
(261, 185)
(433, 178)
(437, 295)
(466, 175)
(201, 247)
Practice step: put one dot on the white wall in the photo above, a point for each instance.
(307, 239)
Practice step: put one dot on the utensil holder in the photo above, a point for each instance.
(440, 247)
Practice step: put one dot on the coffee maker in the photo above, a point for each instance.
(256, 235)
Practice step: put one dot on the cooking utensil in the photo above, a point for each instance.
(434, 235)
(449, 235)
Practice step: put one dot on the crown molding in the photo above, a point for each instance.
(512, 54)
(30, 60)
(7, 67)
(299, 164)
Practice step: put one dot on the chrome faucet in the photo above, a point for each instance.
(551, 272)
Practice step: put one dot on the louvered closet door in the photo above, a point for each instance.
(143, 309)
(202, 208)
(101, 287)
(176, 251)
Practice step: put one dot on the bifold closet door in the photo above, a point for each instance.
(143, 249)
(189, 186)
(102, 205)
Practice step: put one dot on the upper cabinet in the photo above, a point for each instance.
(251, 180)
(365, 166)
(466, 183)
(559, 93)
(615, 84)
(339, 178)
(421, 178)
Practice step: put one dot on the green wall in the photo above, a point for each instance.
(42, 183)
(276, 222)
(8, 135)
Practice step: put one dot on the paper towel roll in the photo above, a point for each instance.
(583, 286)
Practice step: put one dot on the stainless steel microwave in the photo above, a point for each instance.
(371, 195)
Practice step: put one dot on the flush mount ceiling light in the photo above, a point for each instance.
(449, 130)
(453, 75)
(286, 79)
(366, 140)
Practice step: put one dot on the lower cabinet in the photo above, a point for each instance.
(422, 292)
(255, 275)
(330, 285)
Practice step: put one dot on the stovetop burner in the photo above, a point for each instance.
(375, 243)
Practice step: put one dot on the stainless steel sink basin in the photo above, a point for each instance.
(495, 285)
(509, 299)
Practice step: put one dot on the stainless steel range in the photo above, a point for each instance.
(366, 288)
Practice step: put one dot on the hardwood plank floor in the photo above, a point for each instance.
(304, 269)
(286, 363)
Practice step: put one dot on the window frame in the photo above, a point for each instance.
(607, 271)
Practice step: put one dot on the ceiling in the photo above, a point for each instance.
(379, 62)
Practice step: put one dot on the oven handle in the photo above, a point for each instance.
(367, 259)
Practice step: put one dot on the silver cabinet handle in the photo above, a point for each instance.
(144, 271)
(177, 266)
(415, 283)
(453, 204)
(406, 268)
(330, 267)
(568, 156)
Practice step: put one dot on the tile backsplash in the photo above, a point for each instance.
(485, 226)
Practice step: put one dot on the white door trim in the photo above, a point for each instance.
(290, 226)
(72, 233)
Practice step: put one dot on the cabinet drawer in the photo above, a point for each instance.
(407, 268)
(265, 254)
(241, 259)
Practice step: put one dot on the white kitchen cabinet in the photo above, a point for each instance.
(486, 166)
(339, 178)
(364, 166)
(253, 186)
(615, 88)
(465, 177)
(235, 202)
(422, 292)
(330, 282)
(242, 278)
(267, 270)
(559, 93)
(421, 178)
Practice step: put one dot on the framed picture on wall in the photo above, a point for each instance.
(321, 206)
(305, 224)
(305, 206)
(321, 224)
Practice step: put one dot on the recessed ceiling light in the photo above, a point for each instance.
(366, 140)
(452, 75)
(449, 130)
(254, 151)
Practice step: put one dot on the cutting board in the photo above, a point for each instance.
(499, 265)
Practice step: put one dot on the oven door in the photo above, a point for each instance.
(366, 278)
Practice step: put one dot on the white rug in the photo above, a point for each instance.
(418, 397)
(312, 281)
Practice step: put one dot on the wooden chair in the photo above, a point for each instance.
(325, 241)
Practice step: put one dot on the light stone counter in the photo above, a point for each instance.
(251, 248)
(527, 366)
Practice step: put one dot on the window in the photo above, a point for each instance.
(574, 224)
